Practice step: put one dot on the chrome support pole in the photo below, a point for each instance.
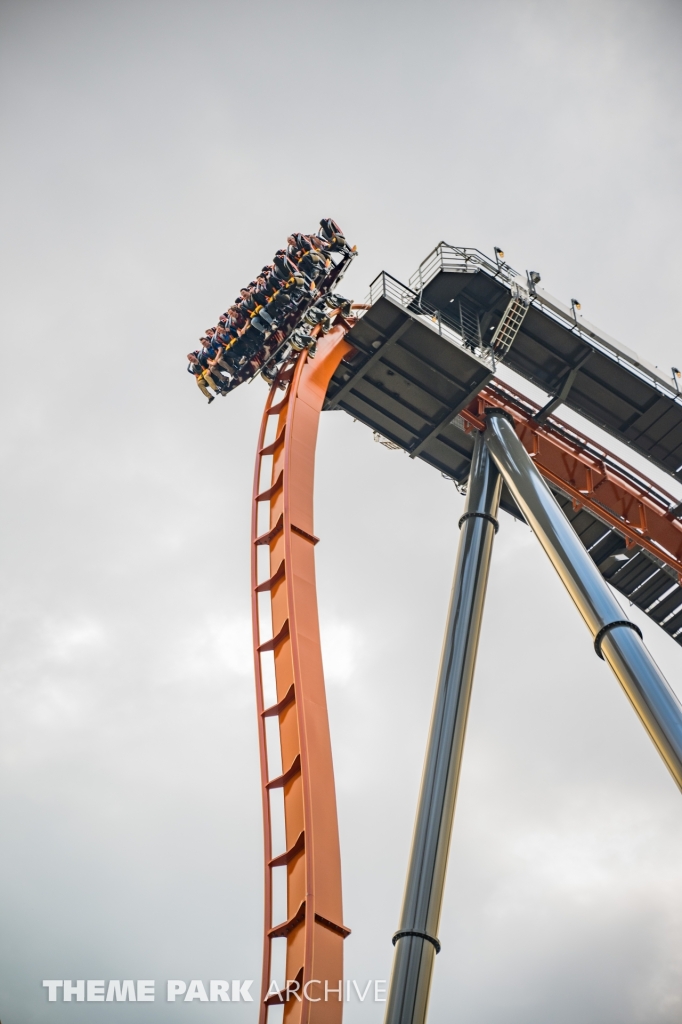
(416, 940)
(616, 639)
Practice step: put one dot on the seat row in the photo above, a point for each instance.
(274, 313)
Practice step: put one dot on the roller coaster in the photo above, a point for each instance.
(420, 364)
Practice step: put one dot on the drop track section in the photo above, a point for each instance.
(297, 780)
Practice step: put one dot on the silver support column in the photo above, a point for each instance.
(616, 639)
(416, 940)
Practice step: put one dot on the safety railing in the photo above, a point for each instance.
(608, 348)
(458, 259)
(449, 327)
(462, 260)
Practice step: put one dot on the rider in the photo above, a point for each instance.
(202, 375)
(253, 330)
(216, 356)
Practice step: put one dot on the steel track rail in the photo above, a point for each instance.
(594, 478)
(313, 929)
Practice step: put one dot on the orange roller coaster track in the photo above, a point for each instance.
(284, 582)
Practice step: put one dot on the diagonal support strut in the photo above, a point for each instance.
(616, 639)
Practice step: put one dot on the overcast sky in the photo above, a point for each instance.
(155, 156)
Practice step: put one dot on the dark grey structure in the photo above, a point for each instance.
(413, 362)
(573, 361)
(416, 940)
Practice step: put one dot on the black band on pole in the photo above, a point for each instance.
(495, 410)
(612, 625)
(420, 935)
(479, 515)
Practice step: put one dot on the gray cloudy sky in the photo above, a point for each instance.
(156, 154)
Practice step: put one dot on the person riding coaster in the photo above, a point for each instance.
(314, 265)
(314, 319)
(272, 318)
(288, 271)
(217, 359)
(205, 377)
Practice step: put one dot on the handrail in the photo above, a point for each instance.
(386, 286)
(458, 259)
(462, 259)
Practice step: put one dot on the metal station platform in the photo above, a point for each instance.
(573, 361)
(411, 376)
(414, 369)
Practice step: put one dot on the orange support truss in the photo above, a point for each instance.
(593, 477)
(291, 692)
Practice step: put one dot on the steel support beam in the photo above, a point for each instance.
(564, 390)
(374, 358)
(416, 940)
(592, 476)
(616, 639)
